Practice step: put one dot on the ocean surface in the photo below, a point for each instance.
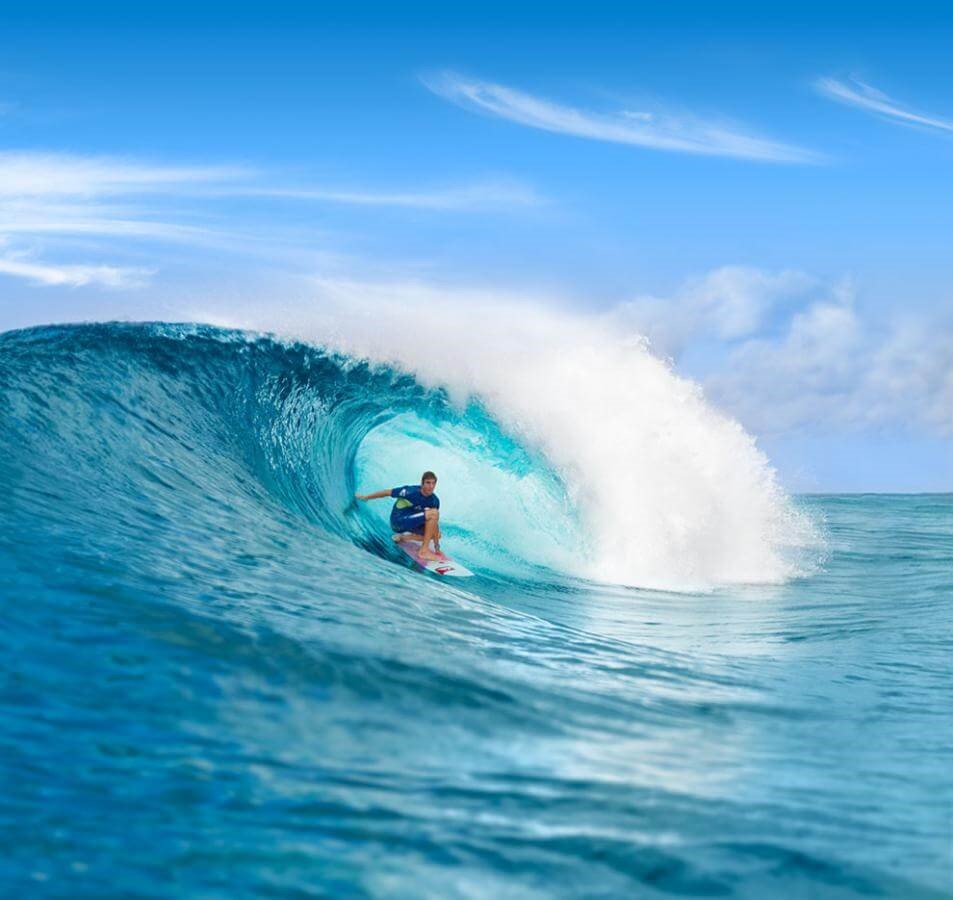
(221, 680)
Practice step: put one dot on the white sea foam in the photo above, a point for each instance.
(671, 493)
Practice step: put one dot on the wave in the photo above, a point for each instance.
(584, 482)
(664, 490)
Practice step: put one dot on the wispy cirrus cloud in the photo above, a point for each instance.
(38, 175)
(484, 196)
(864, 96)
(47, 199)
(32, 174)
(681, 134)
(72, 275)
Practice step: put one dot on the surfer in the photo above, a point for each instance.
(416, 514)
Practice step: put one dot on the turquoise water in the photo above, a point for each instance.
(220, 680)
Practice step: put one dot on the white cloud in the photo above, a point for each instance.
(46, 196)
(30, 174)
(65, 196)
(47, 177)
(482, 196)
(73, 275)
(726, 304)
(864, 96)
(681, 134)
(32, 216)
(829, 367)
(915, 363)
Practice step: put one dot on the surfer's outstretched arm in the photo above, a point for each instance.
(377, 495)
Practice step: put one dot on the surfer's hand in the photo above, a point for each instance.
(361, 496)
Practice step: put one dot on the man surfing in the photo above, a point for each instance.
(416, 514)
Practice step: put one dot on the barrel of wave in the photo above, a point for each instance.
(501, 510)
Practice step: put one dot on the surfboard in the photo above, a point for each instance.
(442, 566)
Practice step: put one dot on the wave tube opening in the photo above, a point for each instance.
(502, 507)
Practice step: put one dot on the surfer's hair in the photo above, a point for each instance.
(426, 475)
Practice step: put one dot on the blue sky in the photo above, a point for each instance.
(767, 192)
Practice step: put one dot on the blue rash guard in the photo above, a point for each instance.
(408, 512)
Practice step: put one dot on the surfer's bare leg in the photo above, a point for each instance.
(431, 533)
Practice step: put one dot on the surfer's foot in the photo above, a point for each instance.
(397, 538)
(428, 554)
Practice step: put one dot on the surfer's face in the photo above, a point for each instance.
(427, 486)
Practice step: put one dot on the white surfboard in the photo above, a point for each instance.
(442, 566)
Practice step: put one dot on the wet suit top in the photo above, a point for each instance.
(408, 512)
